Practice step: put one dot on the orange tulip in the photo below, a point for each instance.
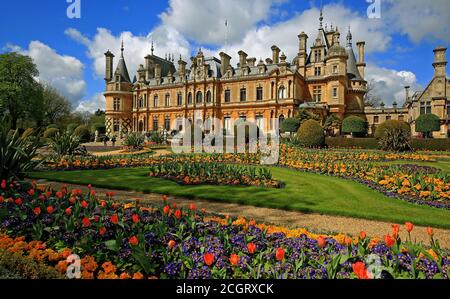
(395, 230)
(133, 241)
(192, 207)
(171, 244)
(135, 218)
(279, 254)
(166, 210)
(86, 222)
(389, 240)
(68, 211)
(114, 219)
(234, 259)
(360, 270)
(430, 231)
(409, 227)
(362, 234)
(178, 214)
(251, 247)
(164, 197)
(322, 242)
(208, 258)
(50, 210)
(37, 211)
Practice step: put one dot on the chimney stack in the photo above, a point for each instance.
(242, 58)
(182, 67)
(158, 71)
(251, 61)
(361, 63)
(275, 54)
(440, 62)
(148, 62)
(109, 60)
(407, 88)
(224, 62)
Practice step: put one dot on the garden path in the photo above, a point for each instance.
(312, 222)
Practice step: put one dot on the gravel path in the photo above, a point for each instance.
(312, 222)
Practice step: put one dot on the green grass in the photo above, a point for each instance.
(305, 192)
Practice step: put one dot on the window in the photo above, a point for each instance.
(208, 97)
(317, 55)
(227, 124)
(190, 98)
(141, 102)
(227, 96)
(388, 117)
(376, 119)
(448, 108)
(155, 124)
(145, 100)
(116, 104)
(317, 93)
(335, 92)
(317, 71)
(335, 69)
(425, 107)
(243, 95)
(167, 124)
(281, 92)
(116, 125)
(199, 97)
(155, 101)
(167, 100)
(259, 93)
(401, 118)
(179, 99)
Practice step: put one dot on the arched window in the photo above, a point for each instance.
(280, 120)
(167, 100)
(208, 97)
(199, 97)
(281, 92)
(190, 98)
(155, 101)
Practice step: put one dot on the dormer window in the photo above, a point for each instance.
(317, 55)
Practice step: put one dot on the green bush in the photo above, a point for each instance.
(64, 144)
(394, 135)
(311, 134)
(50, 132)
(134, 140)
(28, 132)
(392, 124)
(427, 124)
(53, 126)
(18, 265)
(71, 128)
(101, 128)
(354, 125)
(16, 153)
(290, 125)
(431, 144)
(83, 133)
(362, 143)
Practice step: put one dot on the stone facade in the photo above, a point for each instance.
(328, 78)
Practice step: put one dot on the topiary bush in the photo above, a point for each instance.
(354, 125)
(391, 124)
(83, 133)
(71, 128)
(311, 134)
(427, 124)
(50, 133)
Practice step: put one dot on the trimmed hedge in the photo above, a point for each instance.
(371, 143)
(311, 134)
(83, 133)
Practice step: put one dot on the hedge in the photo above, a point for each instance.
(371, 143)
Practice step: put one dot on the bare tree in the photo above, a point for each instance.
(371, 99)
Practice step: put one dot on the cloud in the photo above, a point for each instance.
(65, 73)
(389, 84)
(93, 104)
(204, 21)
(418, 19)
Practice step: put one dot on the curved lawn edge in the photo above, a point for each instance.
(304, 192)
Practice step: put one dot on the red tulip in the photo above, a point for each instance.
(89, 186)
(3, 184)
(395, 230)
(133, 241)
(171, 244)
(362, 234)
(234, 259)
(31, 192)
(251, 247)
(322, 242)
(114, 219)
(360, 270)
(72, 200)
(166, 210)
(178, 214)
(103, 204)
(409, 227)
(115, 206)
(68, 211)
(192, 207)
(48, 194)
(84, 204)
(279, 254)
(92, 193)
(2, 199)
(174, 205)
(208, 258)
(102, 231)
(41, 197)
(430, 231)
(59, 194)
(389, 240)
(18, 201)
(86, 222)
(135, 218)
(50, 209)
(96, 218)
(37, 211)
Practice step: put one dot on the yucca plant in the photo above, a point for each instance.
(64, 144)
(134, 140)
(17, 152)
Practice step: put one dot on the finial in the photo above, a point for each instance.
(349, 37)
(153, 48)
(165, 56)
(122, 48)
(321, 17)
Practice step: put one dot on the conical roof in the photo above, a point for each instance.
(352, 69)
(122, 68)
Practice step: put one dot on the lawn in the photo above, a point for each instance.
(305, 192)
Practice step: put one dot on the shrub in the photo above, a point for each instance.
(392, 124)
(71, 128)
(290, 125)
(64, 144)
(50, 132)
(134, 140)
(83, 133)
(395, 139)
(101, 128)
(431, 144)
(311, 134)
(427, 124)
(53, 126)
(354, 125)
(341, 142)
(16, 152)
(28, 132)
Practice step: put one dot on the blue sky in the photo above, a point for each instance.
(68, 52)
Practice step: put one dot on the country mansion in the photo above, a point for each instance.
(328, 79)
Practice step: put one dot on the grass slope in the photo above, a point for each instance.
(305, 192)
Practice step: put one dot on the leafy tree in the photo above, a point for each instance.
(290, 125)
(17, 85)
(303, 115)
(427, 124)
(354, 125)
(332, 122)
(55, 105)
(311, 134)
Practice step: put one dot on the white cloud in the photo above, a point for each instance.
(93, 104)
(418, 19)
(204, 21)
(65, 73)
(389, 84)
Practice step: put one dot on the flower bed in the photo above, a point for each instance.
(214, 173)
(131, 241)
